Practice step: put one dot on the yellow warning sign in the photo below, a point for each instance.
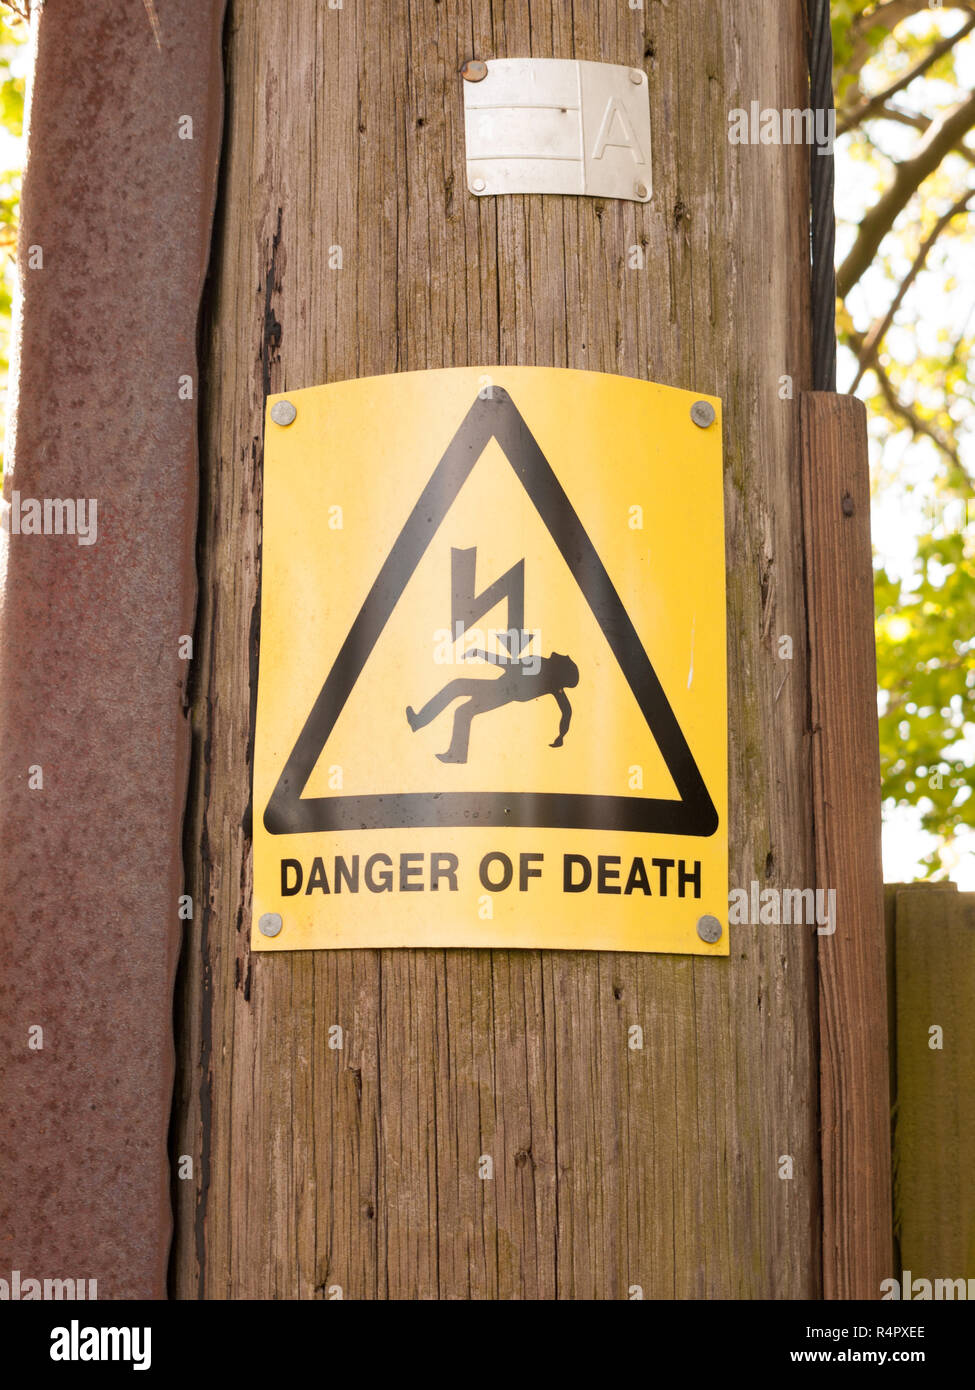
(492, 702)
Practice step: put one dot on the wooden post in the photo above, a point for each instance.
(935, 1125)
(614, 1170)
(853, 1024)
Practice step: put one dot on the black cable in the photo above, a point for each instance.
(822, 182)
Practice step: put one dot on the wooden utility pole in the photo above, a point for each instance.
(659, 1169)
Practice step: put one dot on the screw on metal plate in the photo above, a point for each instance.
(640, 189)
(270, 923)
(702, 413)
(709, 929)
(283, 413)
(478, 185)
(557, 126)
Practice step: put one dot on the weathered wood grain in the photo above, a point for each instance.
(934, 1201)
(613, 1167)
(854, 1085)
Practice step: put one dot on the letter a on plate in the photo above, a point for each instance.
(553, 125)
(492, 635)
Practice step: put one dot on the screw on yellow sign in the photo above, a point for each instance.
(492, 699)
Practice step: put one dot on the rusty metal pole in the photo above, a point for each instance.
(124, 137)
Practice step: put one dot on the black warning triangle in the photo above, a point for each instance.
(493, 416)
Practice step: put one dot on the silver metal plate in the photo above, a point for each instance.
(551, 125)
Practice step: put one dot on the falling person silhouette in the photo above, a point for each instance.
(554, 674)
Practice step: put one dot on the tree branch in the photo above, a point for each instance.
(921, 123)
(909, 415)
(943, 135)
(887, 14)
(850, 119)
(911, 118)
(870, 344)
